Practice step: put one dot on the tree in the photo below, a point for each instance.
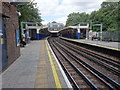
(108, 15)
(29, 12)
(74, 18)
(54, 22)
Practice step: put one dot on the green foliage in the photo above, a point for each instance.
(54, 22)
(29, 12)
(74, 18)
(108, 15)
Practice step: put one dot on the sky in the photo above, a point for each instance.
(58, 10)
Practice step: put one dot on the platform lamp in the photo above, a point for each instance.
(100, 30)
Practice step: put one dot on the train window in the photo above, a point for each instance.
(31, 24)
(55, 25)
(83, 24)
(61, 26)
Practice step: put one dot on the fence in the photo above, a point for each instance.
(113, 35)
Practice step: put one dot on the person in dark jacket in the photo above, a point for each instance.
(22, 43)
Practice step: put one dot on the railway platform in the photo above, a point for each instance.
(36, 68)
(104, 44)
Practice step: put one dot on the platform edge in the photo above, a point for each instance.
(60, 67)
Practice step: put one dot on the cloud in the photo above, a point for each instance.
(47, 6)
(62, 8)
(45, 22)
(62, 20)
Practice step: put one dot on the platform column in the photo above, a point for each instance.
(79, 34)
(87, 33)
(73, 34)
(38, 35)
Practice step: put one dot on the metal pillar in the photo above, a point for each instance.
(79, 33)
(86, 33)
(100, 30)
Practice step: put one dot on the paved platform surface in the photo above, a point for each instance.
(33, 69)
(110, 45)
(0, 55)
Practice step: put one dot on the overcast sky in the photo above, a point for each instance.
(58, 10)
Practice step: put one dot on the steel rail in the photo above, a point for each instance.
(65, 69)
(81, 74)
(70, 55)
(111, 81)
(93, 52)
(115, 71)
(76, 69)
(100, 57)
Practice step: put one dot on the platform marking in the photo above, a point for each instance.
(41, 78)
(99, 45)
(60, 67)
(57, 82)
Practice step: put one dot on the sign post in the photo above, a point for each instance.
(100, 30)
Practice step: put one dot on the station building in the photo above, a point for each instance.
(55, 27)
(34, 30)
(9, 34)
(37, 32)
(77, 31)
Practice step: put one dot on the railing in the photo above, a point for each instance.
(111, 35)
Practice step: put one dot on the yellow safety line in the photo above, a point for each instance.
(100, 45)
(2, 41)
(57, 82)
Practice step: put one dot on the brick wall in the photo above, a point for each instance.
(11, 26)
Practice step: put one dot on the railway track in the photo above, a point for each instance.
(109, 60)
(108, 63)
(104, 65)
(81, 74)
